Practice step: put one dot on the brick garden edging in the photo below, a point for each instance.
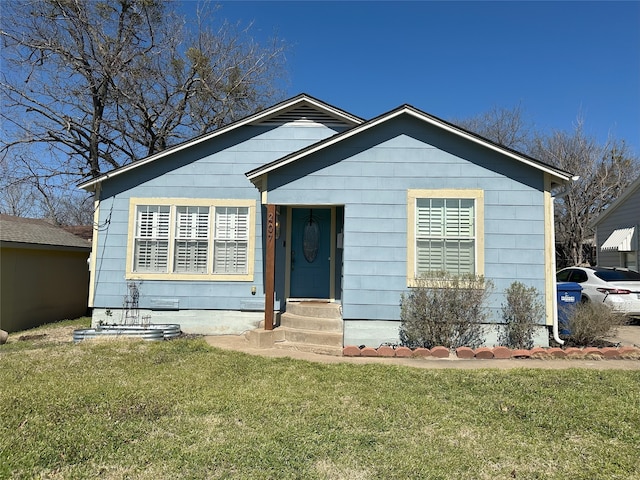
(610, 353)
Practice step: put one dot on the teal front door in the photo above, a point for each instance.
(310, 252)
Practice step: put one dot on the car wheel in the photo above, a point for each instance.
(584, 300)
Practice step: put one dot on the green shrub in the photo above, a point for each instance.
(589, 323)
(444, 309)
(521, 312)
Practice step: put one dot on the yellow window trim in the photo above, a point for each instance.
(190, 202)
(413, 195)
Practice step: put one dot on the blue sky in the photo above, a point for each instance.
(558, 60)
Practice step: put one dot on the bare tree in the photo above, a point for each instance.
(17, 196)
(222, 76)
(74, 210)
(103, 83)
(604, 172)
(63, 59)
(30, 188)
(505, 126)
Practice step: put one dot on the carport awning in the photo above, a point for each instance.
(619, 240)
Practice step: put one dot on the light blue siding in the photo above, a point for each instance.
(367, 176)
(371, 176)
(211, 170)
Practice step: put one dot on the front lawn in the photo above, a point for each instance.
(118, 409)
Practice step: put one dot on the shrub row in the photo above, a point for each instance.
(446, 310)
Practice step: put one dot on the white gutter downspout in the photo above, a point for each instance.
(555, 328)
(556, 333)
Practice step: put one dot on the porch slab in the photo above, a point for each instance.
(261, 338)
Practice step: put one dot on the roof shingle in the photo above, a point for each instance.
(40, 232)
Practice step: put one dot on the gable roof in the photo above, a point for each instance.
(560, 175)
(31, 231)
(630, 190)
(302, 108)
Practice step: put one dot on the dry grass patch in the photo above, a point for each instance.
(327, 469)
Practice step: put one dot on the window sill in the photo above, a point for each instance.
(442, 283)
(190, 277)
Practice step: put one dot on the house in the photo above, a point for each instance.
(617, 231)
(306, 202)
(44, 275)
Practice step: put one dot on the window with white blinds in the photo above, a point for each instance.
(179, 240)
(445, 235)
(151, 249)
(191, 240)
(231, 240)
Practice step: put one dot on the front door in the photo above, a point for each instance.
(310, 252)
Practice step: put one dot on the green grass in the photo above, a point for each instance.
(180, 409)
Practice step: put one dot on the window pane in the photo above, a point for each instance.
(466, 256)
(230, 257)
(192, 222)
(231, 244)
(578, 276)
(466, 218)
(152, 221)
(631, 261)
(460, 256)
(232, 223)
(617, 275)
(191, 256)
(430, 256)
(151, 256)
(192, 234)
(431, 214)
(452, 256)
(445, 235)
(151, 249)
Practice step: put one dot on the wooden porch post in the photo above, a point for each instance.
(270, 267)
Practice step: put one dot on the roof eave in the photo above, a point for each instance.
(560, 176)
(44, 246)
(302, 98)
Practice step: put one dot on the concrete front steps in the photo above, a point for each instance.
(308, 326)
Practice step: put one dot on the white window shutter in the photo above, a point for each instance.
(445, 235)
(231, 240)
(192, 234)
(151, 250)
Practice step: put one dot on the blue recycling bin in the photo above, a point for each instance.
(569, 295)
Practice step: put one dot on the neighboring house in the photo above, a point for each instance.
(617, 231)
(44, 275)
(306, 201)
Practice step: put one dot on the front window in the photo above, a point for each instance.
(181, 239)
(445, 235)
(445, 232)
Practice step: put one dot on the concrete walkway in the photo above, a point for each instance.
(626, 336)
(629, 335)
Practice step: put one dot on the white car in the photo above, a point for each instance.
(617, 287)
